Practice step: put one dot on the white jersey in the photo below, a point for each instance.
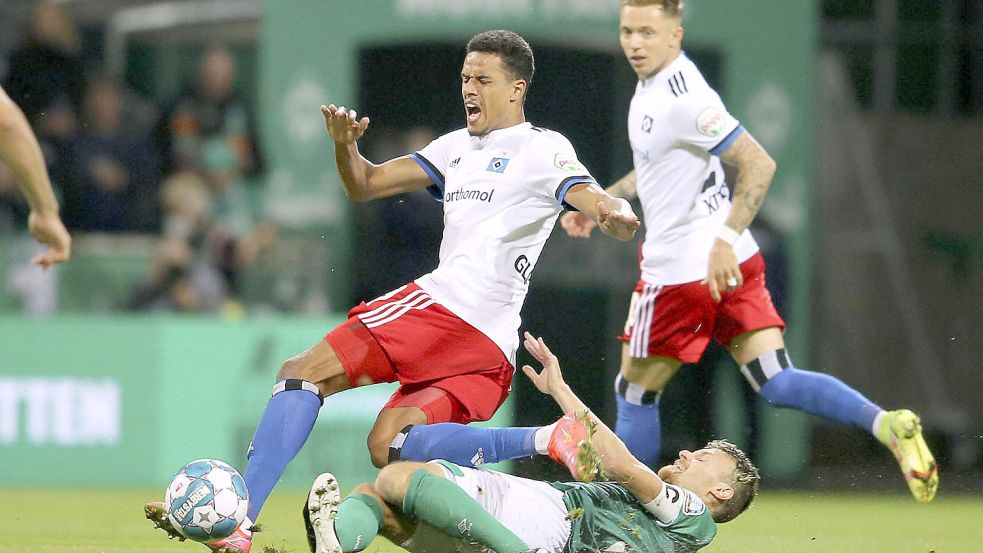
(678, 126)
(502, 193)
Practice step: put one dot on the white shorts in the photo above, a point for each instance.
(533, 510)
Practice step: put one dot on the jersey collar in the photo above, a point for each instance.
(479, 141)
(666, 72)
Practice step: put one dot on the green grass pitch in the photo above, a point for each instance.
(103, 521)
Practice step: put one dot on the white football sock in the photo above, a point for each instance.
(543, 438)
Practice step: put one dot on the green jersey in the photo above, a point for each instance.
(606, 517)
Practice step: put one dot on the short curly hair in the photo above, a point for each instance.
(515, 52)
(745, 484)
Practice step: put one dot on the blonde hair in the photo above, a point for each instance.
(672, 8)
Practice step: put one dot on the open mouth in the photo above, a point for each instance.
(473, 112)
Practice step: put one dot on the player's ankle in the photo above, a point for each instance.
(542, 438)
(882, 428)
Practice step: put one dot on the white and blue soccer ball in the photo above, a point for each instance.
(206, 500)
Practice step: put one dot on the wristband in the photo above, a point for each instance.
(728, 235)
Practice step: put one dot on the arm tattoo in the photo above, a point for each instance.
(755, 171)
(625, 187)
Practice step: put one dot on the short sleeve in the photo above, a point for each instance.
(433, 159)
(701, 120)
(683, 514)
(554, 167)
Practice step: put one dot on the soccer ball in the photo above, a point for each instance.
(206, 500)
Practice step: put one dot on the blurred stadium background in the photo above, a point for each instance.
(213, 240)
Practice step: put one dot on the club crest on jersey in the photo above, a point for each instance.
(498, 164)
(710, 122)
(567, 163)
(647, 124)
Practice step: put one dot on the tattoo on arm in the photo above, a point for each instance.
(625, 187)
(755, 171)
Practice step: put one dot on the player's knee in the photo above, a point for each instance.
(772, 376)
(318, 364)
(379, 458)
(291, 368)
(365, 488)
(379, 443)
(635, 394)
(393, 481)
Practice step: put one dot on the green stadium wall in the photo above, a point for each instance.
(120, 401)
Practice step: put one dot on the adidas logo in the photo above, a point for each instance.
(479, 457)
(465, 527)
(454, 162)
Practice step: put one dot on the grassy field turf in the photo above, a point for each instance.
(102, 521)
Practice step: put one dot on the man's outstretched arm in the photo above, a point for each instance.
(579, 225)
(362, 179)
(616, 460)
(19, 149)
(614, 215)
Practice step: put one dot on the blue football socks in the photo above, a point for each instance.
(639, 427)
(821, 395)
(282, 430)
(466, 445)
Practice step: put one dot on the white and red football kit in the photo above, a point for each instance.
(678, 126)
(456, 328)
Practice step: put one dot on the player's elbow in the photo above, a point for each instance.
(767, 165)
(359, 190)
(363, 189)
(357, 194)
(10, 122)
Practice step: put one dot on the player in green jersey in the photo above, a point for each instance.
(670, 511)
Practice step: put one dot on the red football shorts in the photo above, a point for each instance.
(678, 320)
(445, 366)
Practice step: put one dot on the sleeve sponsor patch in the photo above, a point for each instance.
(710, 122)
(567, 162)
(692, 505)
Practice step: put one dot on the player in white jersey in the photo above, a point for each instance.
(702, 276)
(450, 337)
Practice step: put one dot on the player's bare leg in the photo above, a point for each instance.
(651, 373)
(422, 492)
(389, 423)
(769, 369)
(321, 514)
(319, 365)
